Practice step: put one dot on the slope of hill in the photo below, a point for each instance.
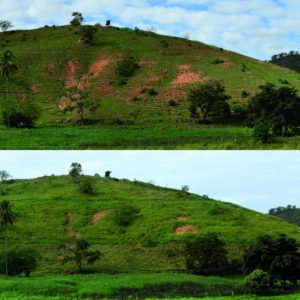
(290, 214)
(52, 58)
(51, 210)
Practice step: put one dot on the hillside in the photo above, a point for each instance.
(287, 60)
(51, 210)
(290, 214)
(52, 58)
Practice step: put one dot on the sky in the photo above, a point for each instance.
(258, 180)
(257, 28)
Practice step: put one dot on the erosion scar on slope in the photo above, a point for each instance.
(69, 227)
(186, 228)
(98, 216)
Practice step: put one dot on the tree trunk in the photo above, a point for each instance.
(6, 254)
(7, 103)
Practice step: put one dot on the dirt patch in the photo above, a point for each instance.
(49, 66)
(181, 218)
(71, 73)
(69, 227)
(64, 103)
(98, 66)
(145, 62)
(227, 63)
(98, 216)
(34, 89)
(155, 78)
(185, 229)
(187, 77)
(184, 67)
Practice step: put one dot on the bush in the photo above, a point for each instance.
(125, 215)
(127, 67)
(206, 256)
(258, 282)
(21, 115)
(19, 261)
(152, 92)
(263, 132)
(86, 186)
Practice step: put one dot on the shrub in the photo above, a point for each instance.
(125, 215)
(127, 67)
(172, 103)
(258, 282)
(152, 92)
(87, 34)
(206, 255)
(86, 186)
(21, 115)
(263, 132)
(217, 61)
(19, 261)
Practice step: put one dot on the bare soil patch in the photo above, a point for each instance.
(98, 216)
(185, 229)
(187, 77)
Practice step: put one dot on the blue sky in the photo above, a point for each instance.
(258, 28)
(258, 180)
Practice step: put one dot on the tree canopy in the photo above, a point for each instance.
(208, 102)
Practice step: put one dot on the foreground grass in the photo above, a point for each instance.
(112, 286)
(284, 297)
(138, 137)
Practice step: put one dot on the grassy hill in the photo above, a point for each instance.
(51, 210)
(51, 59)
(150, 111)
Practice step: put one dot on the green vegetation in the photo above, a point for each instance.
(51, 210)
(51, 60)
(290, 214)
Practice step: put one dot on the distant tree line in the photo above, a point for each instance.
(290, 213)
(289, 60)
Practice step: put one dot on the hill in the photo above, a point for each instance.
(51, 210)
(287, 60)
(52, 58)
(290, 214)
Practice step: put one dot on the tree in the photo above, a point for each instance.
(208, 102)
(107, 174)
(20, 261)
(79, 100)
(206, 255)
(87, 34)
(7, 67)
(7, 218)
(5, 25)
(75, 172)
(78, 251)
(4, 175)
(258, 282)
(277, 256)
(277, 109)
(185, 188)
(77, 20)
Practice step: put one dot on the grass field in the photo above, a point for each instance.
(116, 286)
(139, 137)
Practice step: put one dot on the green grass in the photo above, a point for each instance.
(50, 209)
(110, 286)
(43, 58)
(138, 137)
(284, 297)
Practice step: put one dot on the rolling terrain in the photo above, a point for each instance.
(51, 210)
(52, 59)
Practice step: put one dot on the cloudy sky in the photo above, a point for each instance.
(259, 180)
(257, 28)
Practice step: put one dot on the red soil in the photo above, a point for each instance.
(98, 66)
(64, 103)
(181, 218)
(184, 67)
(98, 216)
(71, 72)
(186, 228)
(187, 77)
